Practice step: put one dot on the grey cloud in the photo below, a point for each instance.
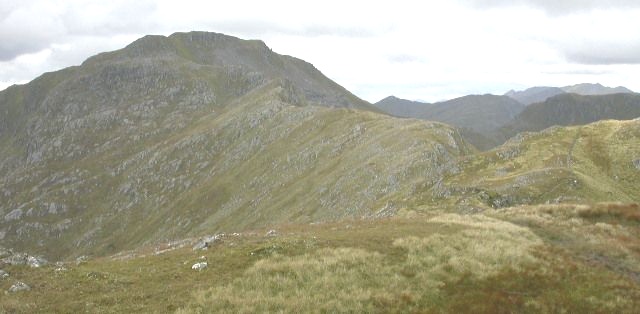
(121, 18)
(603, 59)
(558, 7)
(10, 48)
(23, 30)
(602, 53)
(28, 28)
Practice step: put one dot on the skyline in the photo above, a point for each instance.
(421, 51)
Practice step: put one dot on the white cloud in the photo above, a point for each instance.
(428, 50)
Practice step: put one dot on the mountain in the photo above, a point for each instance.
(534, 94)
(401, 107)
(468, 241)
(479, 113)
(175, 135)
(542, 93)
(478, 116)
(204, 173)
(573, 109)
(487, 121)
(595, 89)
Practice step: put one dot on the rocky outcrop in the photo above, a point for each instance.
(208, 241)
(10, 257)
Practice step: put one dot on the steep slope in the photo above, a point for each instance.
(535, 94)
(595, 89)
(173, 136)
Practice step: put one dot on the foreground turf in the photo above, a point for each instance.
(514, 260)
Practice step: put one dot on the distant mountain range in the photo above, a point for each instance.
(573, 109)
(489, 120)
(479, 113)
(542, 93)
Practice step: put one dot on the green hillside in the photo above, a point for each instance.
(131, 149)
(130, 172)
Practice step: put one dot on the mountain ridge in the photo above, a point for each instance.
(183, 147)
(542, 93)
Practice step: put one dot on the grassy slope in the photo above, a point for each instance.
(573, 164)
(522, 259)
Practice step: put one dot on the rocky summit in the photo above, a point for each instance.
(201, 172)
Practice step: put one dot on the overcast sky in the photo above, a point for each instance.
(427, 50)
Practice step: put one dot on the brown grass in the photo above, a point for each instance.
(629, 212)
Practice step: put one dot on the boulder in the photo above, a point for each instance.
(3, 274)
(199, 266)
(36, 261)
(19, 286)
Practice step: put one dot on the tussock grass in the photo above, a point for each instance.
(358, 280)
(613, 210)
(495, 262)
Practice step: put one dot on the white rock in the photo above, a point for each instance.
(271, 233)
(35, 262)
(19, 286)
(82, 259)
(3, 274)
(199, 266)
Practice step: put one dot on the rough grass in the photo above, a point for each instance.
(485, 254)
(611, 210)
(443, 263)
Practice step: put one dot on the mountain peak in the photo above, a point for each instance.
(232, 63)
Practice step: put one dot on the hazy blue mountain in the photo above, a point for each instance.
(534, 94)
(595, 89)
(478, 116)
(401, 107)
(542, 93)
